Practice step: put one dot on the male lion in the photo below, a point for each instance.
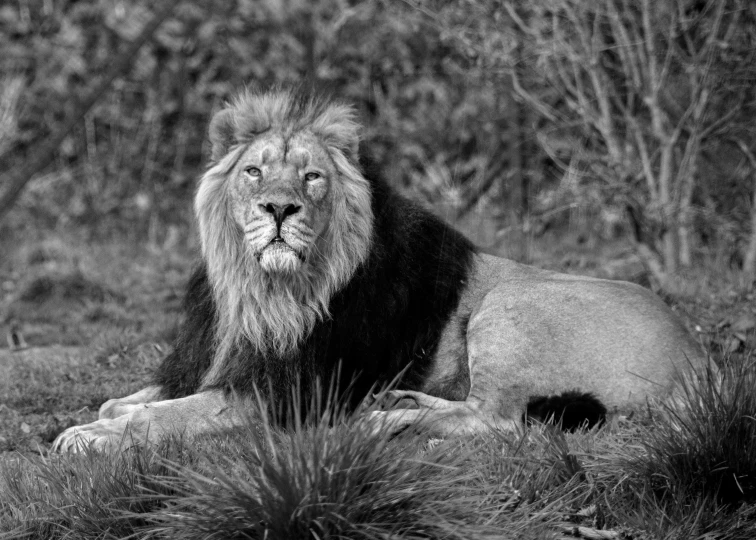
(314, 269)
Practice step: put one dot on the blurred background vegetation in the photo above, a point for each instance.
(609, 119)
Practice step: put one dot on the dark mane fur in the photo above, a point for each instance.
(390, 314)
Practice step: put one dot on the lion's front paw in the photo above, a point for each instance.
(107, 434)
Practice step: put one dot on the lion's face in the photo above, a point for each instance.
(280, 197)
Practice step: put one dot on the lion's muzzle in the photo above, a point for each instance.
(279, 257)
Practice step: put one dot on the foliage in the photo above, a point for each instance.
(139, 149)
(533, 113)
(709, 447)
(642, 91)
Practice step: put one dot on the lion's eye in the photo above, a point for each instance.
(254, 172)
(310, 176)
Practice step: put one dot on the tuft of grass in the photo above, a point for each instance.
(690, 472)
(708, 449)
(330, 478)
(91, 495)
(322, 478)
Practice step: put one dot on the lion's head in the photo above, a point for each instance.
(284, 216)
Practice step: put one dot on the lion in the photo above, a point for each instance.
(313, 269)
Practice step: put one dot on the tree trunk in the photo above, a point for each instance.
(519, 191)
(684, 217)
(517, 194)
(668, 215)
(749, 260)
(749, 255)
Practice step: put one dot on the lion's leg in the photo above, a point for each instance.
(113, 408)
(424, 401)
(452, 419)
(500, 384)
(199, 414)
(444, 418)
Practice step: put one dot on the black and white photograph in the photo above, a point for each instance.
(378, 269)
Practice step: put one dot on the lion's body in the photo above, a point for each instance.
(534, 333)
(313, 267)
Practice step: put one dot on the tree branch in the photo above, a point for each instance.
(15, 180)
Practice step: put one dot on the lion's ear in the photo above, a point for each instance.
(222, 133)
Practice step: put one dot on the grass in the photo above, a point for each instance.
(97, 319)
(332, 478)
(45, 391)
(316, 481)
(659, 474)
(672, 475)
(710, 447)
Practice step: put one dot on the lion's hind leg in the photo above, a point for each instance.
(437, 417)
(570, 410)
(113, 408)
(421, 400)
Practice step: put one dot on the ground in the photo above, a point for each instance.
(98, 315)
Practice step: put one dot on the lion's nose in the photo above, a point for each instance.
(280, 211)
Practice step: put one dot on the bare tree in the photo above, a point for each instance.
(639, 80)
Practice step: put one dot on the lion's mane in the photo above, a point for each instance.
(384, 282)
(274, 313)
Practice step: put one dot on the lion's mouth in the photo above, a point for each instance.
(279, 246)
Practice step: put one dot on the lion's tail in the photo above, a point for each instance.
(571, 410)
